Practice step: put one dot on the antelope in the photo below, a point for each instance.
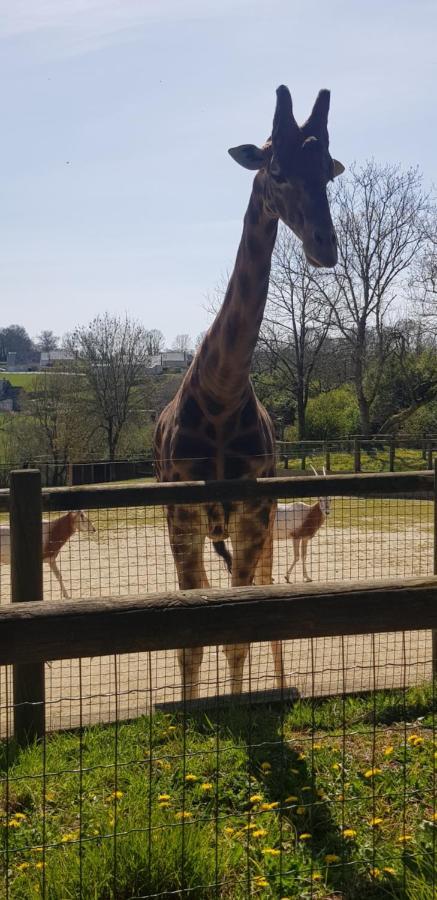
(300, 521)
(55, 534)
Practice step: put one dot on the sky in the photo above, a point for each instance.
(117, 191)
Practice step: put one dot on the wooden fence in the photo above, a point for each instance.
(38, 632)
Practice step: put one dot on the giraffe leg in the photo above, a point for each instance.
(263, 575)
(306, 577)
(296, 544)
(248, 530)
(187, 537)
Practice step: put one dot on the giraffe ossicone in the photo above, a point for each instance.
(215, 427)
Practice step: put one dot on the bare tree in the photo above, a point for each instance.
(112, 355)
(46, 341)
(296, 321)
(182, 342)
(154, 341)
(380, 214)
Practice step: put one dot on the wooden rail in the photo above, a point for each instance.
(100, 627)
(107, 497)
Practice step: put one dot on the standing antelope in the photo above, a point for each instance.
(55, 534)
(300, 521)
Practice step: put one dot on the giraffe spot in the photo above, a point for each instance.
(183, 515)
(213, 406)
(249, 413)
(190, 414)
(243, 573)
(271, 226)
(213, 359)
(235, 467)
(250, 444)
(254, 246)
(244, 284)
(203, 470)
(190, 446)
(264, 517)
(253, 212)
(210, 431)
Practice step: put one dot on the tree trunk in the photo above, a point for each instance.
(301, 417)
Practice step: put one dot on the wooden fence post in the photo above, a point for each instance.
(327, 457)
(434, 633)
(429, 454)
(27, 585)
(357, 455)
(391, 454)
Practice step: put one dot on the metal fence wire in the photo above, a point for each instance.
(321, 787)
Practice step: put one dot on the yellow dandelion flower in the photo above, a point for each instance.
(172, 728)
(316, 876)
(434, 817)
(271, 851)
(36, 849)
(388, 751)
(331, 858)
(255, 798)
(260, 881)
(69, 836)
(317, 746)
(22, 866)
(375, 872)
(300, 810)
(164, 804)
(184, 815)
(164, 797)
(349, 833)
(306, 836)
(250, 827)
(405, 838)
(14, 823)
(229, 829)
(116, 795)
(191, 777)
(265, 807)
(206, 786)
(50, 797)
(266, 766)
(40, 865)
(390, 870)
(291, 799)
(19, 816)
(370, 773)
(413, 738)
(260, 832)
(336, 767)
(301, 757)
(376, 821)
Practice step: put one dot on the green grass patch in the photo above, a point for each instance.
(336, 795)
(341, 461)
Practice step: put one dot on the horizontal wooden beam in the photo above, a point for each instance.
(99, 627)
(112, 496)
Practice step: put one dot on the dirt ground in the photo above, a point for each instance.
(126, 560)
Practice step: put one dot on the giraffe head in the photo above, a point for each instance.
(297, 166)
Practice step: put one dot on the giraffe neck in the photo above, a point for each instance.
(225, 356)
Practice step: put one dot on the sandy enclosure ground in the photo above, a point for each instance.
(132, 554)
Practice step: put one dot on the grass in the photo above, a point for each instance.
(25, 380)
(405, 460)
(269, 802)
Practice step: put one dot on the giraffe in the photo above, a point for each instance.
(215, 427)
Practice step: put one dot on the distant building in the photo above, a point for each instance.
(169, 361)
(49, 358)
(27, 361)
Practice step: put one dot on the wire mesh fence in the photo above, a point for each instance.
(323, 797)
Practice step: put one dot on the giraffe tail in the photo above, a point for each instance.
(222, 550)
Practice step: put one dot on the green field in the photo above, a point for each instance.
(270, 803)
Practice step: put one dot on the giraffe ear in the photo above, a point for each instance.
(338, 167)
(249, 156)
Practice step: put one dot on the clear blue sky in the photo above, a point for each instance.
(116, 188)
